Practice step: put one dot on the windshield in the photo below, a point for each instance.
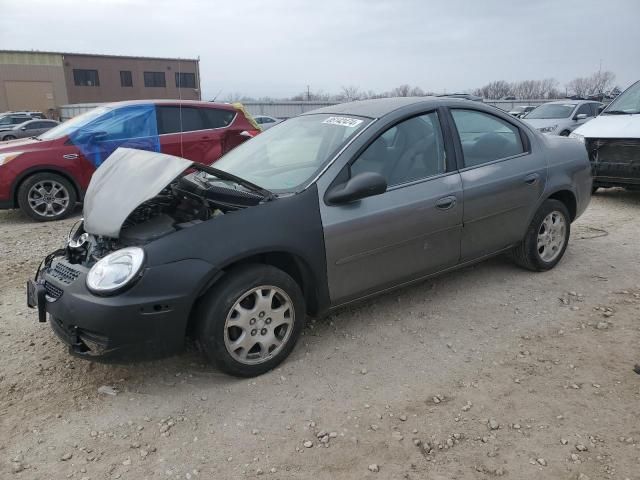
(552, 110)
(287, 156)
(72, 125)
(627, 102)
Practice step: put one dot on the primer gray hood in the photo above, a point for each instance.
(125, 180)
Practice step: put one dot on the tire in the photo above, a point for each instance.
(539, 259)
(8, 137)
(565, 133)
(232, 300)
(46, 196)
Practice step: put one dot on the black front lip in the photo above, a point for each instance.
(147, 321)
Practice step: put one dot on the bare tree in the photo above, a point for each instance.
(595, 84)
(350, 93)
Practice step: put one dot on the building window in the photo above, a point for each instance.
(185, 80)
(125, 78)
(154, 79)
(86, 78)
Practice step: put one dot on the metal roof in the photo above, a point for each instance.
(130, 57)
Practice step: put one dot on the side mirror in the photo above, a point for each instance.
(23, 128)
(581, 116)
(362, 185)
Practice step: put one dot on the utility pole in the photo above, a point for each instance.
(308, 93)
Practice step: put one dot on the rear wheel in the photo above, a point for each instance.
(546, 239)
(249, 322)
(9, 137)
(46, 196)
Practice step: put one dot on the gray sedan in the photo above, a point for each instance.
(331, 207)
(30, 128)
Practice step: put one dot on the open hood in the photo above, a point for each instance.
(125, 180)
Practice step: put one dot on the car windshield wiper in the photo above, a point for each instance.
(619, 112)
(221, 174)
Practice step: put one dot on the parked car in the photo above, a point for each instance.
(562, 117)
(613, 142)
(45, 176)
(522, 110)
(30, 128)
(10, 120)
(265, 121)
(331, 207)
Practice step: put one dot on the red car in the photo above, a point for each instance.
(46, 175)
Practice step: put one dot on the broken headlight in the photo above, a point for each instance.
(116, 270)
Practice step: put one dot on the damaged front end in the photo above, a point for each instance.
(135, 197)
(615, 161)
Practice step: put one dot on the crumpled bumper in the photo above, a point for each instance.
(146, 321)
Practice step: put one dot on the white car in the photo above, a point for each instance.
(613, 142)
(562, 117)
(265, 121)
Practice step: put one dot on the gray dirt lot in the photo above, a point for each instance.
(534, 372)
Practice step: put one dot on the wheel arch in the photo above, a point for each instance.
(568, 198)
(45, 169)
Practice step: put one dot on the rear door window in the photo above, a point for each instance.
(485, 137)
(217, 118)
(174, 119)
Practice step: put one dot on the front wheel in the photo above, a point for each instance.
(546, 239)
(250, 321)
(46, 196)
(9, 137)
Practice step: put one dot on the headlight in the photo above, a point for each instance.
(548, 129)
(577, 136)
(7, 157)
(115, 270)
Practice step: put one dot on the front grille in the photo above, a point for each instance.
(52, 291)
(64, 273)
(623, 151)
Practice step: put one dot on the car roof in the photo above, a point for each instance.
(379, 107)
(569, 101)
(194, 103)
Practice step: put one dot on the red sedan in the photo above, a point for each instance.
(46, 175)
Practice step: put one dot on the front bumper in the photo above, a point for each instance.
(146, 321)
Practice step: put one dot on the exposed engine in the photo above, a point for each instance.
(186, 202)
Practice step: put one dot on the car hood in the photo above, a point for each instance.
(611, 126)
(544, 122)
(25, 144)
(125, 180)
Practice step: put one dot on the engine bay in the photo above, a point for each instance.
(187, 201)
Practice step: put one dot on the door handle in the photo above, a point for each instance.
(446, 203)
(531, 179)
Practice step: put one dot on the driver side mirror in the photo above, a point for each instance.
(581, 116)
(23, 128)
(362, 185)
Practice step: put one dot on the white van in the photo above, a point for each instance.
(613, 142)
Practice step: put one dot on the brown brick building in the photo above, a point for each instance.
(43, 81)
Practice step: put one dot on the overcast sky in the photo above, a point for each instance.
(277, 47)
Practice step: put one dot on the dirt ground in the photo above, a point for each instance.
(487, 372)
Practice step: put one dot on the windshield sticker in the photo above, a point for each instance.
(343, 121)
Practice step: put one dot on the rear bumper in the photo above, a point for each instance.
(147, 321)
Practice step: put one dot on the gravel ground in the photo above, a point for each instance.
(487, 372)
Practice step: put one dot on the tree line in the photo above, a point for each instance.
(598, 83)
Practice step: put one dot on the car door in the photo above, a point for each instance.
(503, 175)
(34, 128)
(409, 231)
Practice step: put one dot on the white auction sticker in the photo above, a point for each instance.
(343, 121)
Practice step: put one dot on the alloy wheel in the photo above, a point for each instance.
(259, 325)
(48, 198)
(551, 236)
